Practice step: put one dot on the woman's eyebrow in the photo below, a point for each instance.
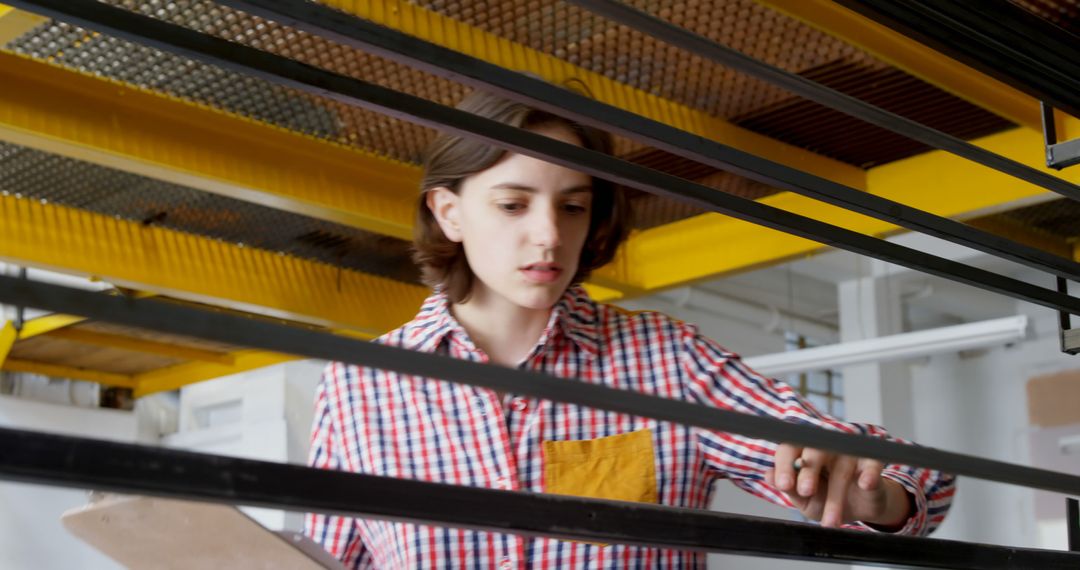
(586, 188)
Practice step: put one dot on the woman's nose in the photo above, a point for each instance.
(545, 228)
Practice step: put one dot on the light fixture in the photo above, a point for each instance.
(894, 347)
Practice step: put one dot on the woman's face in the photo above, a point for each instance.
(522, 223)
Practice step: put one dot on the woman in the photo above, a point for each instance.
(505, 240)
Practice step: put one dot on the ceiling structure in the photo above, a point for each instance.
(172, 177)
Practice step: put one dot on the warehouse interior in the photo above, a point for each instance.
(135, 172)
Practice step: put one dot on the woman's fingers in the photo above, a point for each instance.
(815, 463)
(840, 479)
(784, 469)
(869, 471)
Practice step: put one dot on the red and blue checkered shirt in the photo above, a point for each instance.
(383, 423)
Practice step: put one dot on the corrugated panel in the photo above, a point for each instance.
(33, 174)
(831, 133)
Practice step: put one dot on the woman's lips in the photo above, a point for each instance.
(541, 274)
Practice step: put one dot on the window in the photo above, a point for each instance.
(823, 388)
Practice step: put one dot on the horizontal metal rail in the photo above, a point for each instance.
(803, 87)
(121, 467)
(270, 335)
(319, 82)
(435, 59)
(996, 37)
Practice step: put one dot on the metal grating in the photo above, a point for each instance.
(41, 176)
(627, 56)
(89, 52)
(1063, 13)
(1058, 218)
(563, 31)
(831, 133)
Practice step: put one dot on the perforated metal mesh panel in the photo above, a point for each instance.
(37, 175)
(90, 52)
(1058, 218)
(563, 31)
(1063, 13)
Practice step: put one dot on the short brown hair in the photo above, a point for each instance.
(449, 159)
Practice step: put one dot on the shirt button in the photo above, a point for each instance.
(502, 483)
(506, 564)
(519, 404)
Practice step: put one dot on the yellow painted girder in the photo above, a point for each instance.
(431, 26)
(144, 346)
(712, 245)
(8, 335)
(915, 58)
(14, 23)
(47, 324)
(200, 269)
(88, 118)
(176, 377)
(54, 371)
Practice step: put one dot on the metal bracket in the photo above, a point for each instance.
(1072, 515)
(1058, 155)
(1070, 337)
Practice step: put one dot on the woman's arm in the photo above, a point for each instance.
(864, 490)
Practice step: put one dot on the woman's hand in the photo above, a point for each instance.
(837, 489)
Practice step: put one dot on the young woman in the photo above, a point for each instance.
(505, 240)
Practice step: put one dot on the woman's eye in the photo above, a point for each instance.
(511, 207)
(575, 208)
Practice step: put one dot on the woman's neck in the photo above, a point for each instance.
(506, 332)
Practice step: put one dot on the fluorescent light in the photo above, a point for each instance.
(894, 347)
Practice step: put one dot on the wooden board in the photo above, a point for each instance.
(164, 534)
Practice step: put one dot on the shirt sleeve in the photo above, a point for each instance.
(717, 377)
(338, 535)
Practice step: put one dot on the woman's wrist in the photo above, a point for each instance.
(899, 507)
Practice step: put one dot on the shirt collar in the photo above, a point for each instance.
(574, 315)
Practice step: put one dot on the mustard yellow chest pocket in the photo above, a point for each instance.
(619, 467)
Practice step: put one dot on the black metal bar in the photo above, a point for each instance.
(803, 87)
(278, 337)
(995, 37)
(1072, 521)
(394, 45)
(120, 467)
(283, 71)
(1048, 125)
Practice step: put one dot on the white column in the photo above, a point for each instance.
(870, 307)
(875, 393)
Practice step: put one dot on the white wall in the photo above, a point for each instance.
(977, 404)
(31, 535)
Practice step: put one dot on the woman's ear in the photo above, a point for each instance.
(445, 206)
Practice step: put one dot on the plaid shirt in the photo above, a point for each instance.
(384, 423)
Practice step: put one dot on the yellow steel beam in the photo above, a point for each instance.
(54, 371)
(47, 324)
(8, 335)
(200, 269)
(175, 377)
(431, 26)
(89, 118)
(712, 245)
(14, 23)
(915, 58)
(144, 346)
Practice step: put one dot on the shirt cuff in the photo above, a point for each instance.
(916, 522)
